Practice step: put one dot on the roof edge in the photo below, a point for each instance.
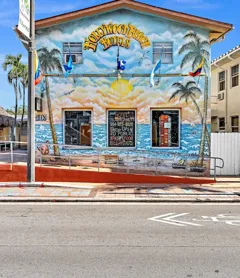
(218, 27)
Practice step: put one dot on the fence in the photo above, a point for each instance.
(226, 146)
(114, 160)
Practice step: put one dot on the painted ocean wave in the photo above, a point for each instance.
(190, 140)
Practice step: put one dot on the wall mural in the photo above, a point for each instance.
(173, 117)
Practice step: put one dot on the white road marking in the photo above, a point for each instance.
(169, 218)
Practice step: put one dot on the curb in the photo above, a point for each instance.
(89, 200)
(41, 185)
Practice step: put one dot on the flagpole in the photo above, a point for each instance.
(31, 99)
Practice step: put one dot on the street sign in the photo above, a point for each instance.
(24, 17)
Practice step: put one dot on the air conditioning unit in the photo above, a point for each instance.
(77, 58)
(221, 96)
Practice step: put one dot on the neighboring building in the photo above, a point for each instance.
(99, 107)
(6, 125)
(225, 92)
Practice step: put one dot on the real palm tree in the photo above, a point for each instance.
(186, 92)
(50, 61)
(196, 50)
(12, 64)
(24, 82)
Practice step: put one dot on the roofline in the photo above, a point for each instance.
(218, 28)
(225, 55)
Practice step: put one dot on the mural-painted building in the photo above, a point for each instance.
(98, 104)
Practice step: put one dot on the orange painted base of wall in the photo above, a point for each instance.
(43, 174)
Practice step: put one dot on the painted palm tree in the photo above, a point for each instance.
(188, 92)
(197, 50)
(24, 82)
(50, 61)
(13, 65)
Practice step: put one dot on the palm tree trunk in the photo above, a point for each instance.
(204, 126)
(50, 114)
(201, 116)
(23, 112)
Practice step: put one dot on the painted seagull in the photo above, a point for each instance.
(143, 57)
(67, 93)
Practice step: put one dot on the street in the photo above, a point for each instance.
(120, 240)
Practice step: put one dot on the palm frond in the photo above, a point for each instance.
(184, 96)
(187, 46)
(57, 64)
(178, 84)
(175, 94)
(190, 84)
(191, 35)
(194, 90)
(205, 54)
(55, 52)
(196, 62)
(205, 44)
(188, 58)
(43, 50)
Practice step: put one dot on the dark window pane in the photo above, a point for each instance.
(235, 121)
(222, 123)
(78, 128)
(235, 70)
(222, 76)
(235, 129)
(235, 81)
(222, 86)
(165, 128)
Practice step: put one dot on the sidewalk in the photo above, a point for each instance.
(83, 192)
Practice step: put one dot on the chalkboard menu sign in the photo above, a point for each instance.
(121, 128)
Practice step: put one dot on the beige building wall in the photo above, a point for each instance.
(5, 133)
(225, 104)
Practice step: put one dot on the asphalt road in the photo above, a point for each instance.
(119, 241)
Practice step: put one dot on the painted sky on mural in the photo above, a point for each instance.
(221, 10)
(104, 95)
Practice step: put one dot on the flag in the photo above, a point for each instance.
(37, 68)
(198, 70)
(157, 67)
(68, 68)
(121, 65)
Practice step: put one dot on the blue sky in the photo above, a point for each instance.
(224, 10)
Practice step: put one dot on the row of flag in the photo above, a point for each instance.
(159, 64)
(120, 67)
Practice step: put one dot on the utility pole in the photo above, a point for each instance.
(31, 98)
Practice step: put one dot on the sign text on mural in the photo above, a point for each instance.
(41, 118)
(123, 35)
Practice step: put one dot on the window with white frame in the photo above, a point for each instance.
(163, 47)
(75, 50)
(121, 128)
(235, 123)
(222, 82)
(235, 75)
(78, 128)
(221, 124)
(165, 128)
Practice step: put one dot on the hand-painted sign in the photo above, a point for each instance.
(126, 32)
